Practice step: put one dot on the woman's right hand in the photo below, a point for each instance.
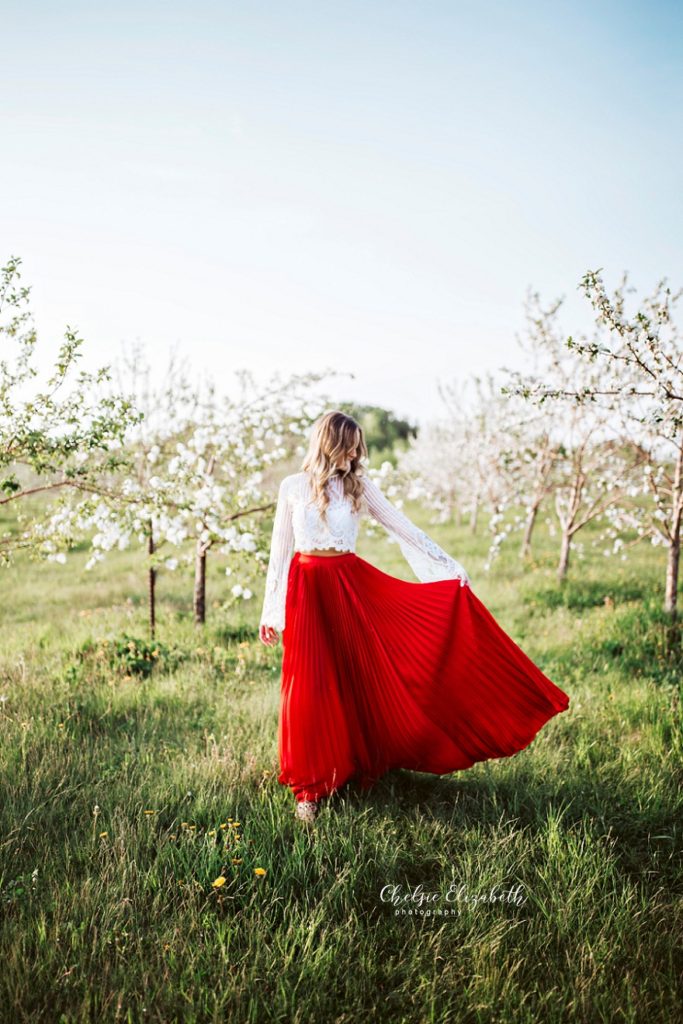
(268, 635)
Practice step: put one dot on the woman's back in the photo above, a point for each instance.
(299, 526)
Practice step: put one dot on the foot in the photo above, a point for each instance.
(306, 810)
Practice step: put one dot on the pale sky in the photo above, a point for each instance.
(370, 186)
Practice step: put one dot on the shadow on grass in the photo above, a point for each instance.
(582, 594)
(149, 716)
(237, 633)
(648, 836)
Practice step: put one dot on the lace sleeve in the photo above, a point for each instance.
(281, 551)
(428, 561)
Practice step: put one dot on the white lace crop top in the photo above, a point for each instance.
(299, 526)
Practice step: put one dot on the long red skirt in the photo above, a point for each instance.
(381, 673)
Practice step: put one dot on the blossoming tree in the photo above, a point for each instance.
(637, 376)
(56, 434)
(196, 464)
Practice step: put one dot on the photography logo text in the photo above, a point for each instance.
(418, 901)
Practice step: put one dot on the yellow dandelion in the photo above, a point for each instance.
(223, 825)
(167, 946)
(173, 836)
(235, 824)
(259, 871)
(150, 812)
(193, 827)
(103, 834)
(219, 882)
(237, 860)
(229, 819)
(183, 824)
(60, 725)
(212, 832)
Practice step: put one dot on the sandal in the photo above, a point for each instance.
(306, 810)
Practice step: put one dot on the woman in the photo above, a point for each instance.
(379, 672)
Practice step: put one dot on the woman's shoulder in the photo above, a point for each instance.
(293, 483)
(294, 478)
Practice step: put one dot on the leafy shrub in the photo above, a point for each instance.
(133, 655)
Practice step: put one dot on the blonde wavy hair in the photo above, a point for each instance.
(333, 437)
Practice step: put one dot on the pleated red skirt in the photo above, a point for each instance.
(381, 673)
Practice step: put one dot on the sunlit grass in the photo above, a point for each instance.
(151, 867)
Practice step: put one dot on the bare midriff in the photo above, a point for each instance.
(326, 554)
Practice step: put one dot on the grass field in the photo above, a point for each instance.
(122, 792)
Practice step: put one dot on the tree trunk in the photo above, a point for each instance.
(564, 555)
(673, 562)
(199, 600)
(528, 530)
(151, 584)
(671, 593)
(200, 585)
(473, 515)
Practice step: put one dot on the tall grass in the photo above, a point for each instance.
(125, 771)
